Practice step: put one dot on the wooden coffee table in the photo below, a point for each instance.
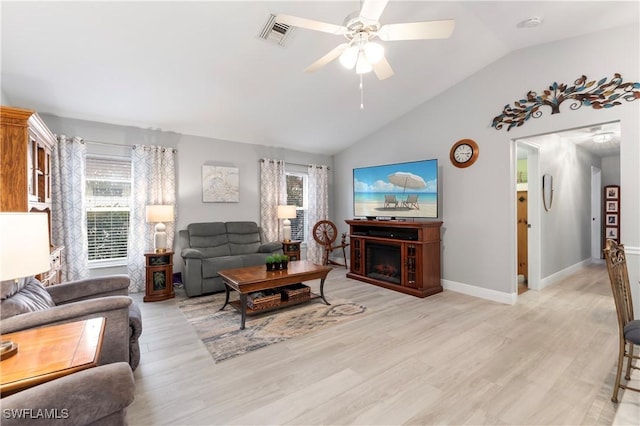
(50, 352)
(256, 278)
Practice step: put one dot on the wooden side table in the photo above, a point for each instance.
(291, 249)
(159, 284)
(51, 352)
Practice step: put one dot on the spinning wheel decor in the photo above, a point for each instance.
(325, 234)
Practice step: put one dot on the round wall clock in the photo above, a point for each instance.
(464, 153)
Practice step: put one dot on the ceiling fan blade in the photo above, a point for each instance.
(382, 69)
(417, 30)
(310, 24)
(372, 9)
(327, 58)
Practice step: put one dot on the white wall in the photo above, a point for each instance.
(478, 203)
(192, 153)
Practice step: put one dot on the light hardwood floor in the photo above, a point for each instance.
(445, 359)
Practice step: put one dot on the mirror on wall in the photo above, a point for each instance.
(547, 191)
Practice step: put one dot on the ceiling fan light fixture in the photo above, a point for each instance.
(349, 57)
(363, 66)
(603, 137)
(374, 52)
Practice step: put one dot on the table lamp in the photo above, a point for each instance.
(158, 214)
(286, 213)
(24, 251)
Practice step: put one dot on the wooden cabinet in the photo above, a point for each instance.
(291, 249)
(26, 145)
(25, 161)
(611, 214)
(401, 256)
(159, 282)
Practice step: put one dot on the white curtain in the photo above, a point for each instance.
(318, 207)
(273, 192)
(68, 224)
(154, 182)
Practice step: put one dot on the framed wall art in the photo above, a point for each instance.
(611, 206)
(611, 214)
(220, 184)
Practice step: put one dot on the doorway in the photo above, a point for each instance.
(599, 140)
(528, 216)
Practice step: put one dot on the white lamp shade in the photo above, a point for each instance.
(349, 57)
(363, 66)
(24, 245)
(286, 212)
(159, 213)
(374, 52)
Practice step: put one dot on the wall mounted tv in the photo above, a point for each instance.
(408, 190)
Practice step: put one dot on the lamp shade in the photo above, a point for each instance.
(159, 213)
(286, 212)
(24, 245)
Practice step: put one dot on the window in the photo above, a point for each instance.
(297, 195)
(107, 201)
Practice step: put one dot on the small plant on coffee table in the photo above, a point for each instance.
(271, 263)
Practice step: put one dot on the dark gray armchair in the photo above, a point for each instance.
(27, 304)
(97, 396)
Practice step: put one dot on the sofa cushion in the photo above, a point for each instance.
(24, 295)
(253, 259)
(210, 267)
(209, 235)
(244, 237)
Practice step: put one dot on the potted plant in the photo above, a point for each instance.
(284, 261)
(271, 262)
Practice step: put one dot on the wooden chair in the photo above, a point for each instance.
(325, 234)
(628, 327)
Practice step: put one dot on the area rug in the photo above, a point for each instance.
(221, 334)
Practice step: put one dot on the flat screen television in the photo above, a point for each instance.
(401, 190)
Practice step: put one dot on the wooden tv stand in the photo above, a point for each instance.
(412, 247)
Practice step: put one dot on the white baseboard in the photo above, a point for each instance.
(483, 293)
(557, 276)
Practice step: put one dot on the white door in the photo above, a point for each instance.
(596, 213)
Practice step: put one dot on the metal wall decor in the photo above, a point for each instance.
(598, 95)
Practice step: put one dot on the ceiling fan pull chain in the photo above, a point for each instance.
(361, 93)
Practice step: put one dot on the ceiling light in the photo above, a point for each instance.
(534, 21)
(374, 52)
(349, 57)
(363, 66)
(603, 137)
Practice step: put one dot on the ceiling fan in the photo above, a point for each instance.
(360, 51)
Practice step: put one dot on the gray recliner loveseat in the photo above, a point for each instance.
(214, 246)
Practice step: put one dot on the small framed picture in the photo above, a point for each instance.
(612, 206)
(612, 220)
(612, 193)
(612, 233)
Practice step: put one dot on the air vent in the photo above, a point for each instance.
(276, 32)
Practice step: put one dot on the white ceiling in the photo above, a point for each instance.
(199, 68)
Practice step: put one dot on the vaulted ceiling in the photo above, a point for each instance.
(200, 68)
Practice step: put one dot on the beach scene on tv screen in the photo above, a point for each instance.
(397, 190)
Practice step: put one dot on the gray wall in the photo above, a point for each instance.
(611, 170)
(570, 214)
(478, 203)
(4, 99)
(192, 153)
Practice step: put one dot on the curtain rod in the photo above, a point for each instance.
(295, 164)
(120, 145)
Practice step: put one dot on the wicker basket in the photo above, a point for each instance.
(264, 300)
(295, 293)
